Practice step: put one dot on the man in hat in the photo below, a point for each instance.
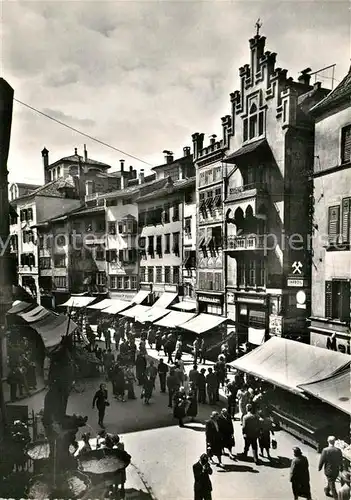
(202, 481)
(214, 437)
(251, 431)
(331, 461)
(300, 476)
(344, 492)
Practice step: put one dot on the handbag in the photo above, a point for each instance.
(274, 444)
(107, 403)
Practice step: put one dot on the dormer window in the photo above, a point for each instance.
(254, 124)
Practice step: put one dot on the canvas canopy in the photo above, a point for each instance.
(203, 323)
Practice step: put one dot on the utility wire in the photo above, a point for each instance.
(81, 133)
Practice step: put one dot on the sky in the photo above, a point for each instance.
(144, 76)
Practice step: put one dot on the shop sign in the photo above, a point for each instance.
(230, 298)
(301, 299)
(171, 288)
(251, 300)
(210, 300)
(296, 282)
(158, 288)
(123, 295)
(275, 325)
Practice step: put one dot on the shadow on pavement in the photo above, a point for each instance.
(133, 494)
(237, 468)
(278, 463)
(195, 427)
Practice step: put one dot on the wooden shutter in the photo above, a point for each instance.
(328, 299)
(346, 219)
(333, 223)
(346, 145)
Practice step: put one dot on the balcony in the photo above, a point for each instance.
(247, 191)
(248, 242)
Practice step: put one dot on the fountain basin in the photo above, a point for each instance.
(104, 464)
(70, 484)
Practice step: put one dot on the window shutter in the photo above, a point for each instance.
(346, 219)
(328, 299)
(333, 223)
(346, 145)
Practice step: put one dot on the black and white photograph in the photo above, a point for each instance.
(175, 249)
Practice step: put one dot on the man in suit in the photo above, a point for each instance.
(251, 431)
(202, 481)
(214, 437)
(331, 460)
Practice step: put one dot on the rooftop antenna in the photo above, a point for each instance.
(258, 26)
(319, 71)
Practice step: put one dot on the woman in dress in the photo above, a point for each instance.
(140, 368)
(266, 429)
(243, 396)
(180, 405)
(226, 429)
(192, 398)
(130, 379)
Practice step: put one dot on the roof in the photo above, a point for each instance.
(24, 185)
(341, 93)
(81, 160)
(182, 159)
(51, 189)
(203, 322)
(245, 150)
(166, 187)
(334, 390)
(288, 363)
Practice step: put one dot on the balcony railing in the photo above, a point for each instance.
(259, 186)
(248, 242)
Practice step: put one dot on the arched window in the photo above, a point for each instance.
(254, 124)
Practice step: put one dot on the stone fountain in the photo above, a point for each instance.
(59, 470)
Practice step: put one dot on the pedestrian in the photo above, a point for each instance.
(179, 373)
(107, 335)
(158, 342)
(331, 461)
(300, 475)
(194, 375)
(172, 386)
(251, 431)
(231, 390)
(117, 338)
(214, 438)
(151, 337)
(151, 371)
(203, 351)
(169, 349)
(243, 399)
(201, 386)
(108, 360)
(192, 398)
(101, 401)
(132, 351)
(226, 429)
(12, 380)
(220, 371)
(179, 348)
(118, 382)
(211, 383)
(148, 386)
(180, 405)
(266, 429)
(196, 350)
(129, 380)
(344, 492)
(142, 348)
(140, 368)
(162, 370)
(202, 481)
(123, 351)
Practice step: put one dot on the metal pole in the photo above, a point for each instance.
(6, 106)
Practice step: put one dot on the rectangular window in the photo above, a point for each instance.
(346, 220)
(133, 282)
(150, 274)
(217, 281)
(23, 215)
(167, 274)
(175, 247)
(176, 275)
(121, 255)
(143, 274)
(261, 126)
(119, 282)
(127, 201)
(100, 253)
(150, 248)
(101, 278)
(159, 245)
(188, 196)
(172, 172)
(30, 214)
(217, 236)
(120, 227)
(111, 255)
(59, 260)
(167, 243)
(112, 228)
(131, 255)
(209, 281)
(76, 226)
(337, 300)
(333, 224)
(126, 282)
(346, 144)
(260, 273)
(176, 211)
(166, 213)
(113, 282)
(241, 281)
(101, 226)
(187, 226)
(14, 243)
(45, 263)
(251, 277)
(159, 274)
(60, 281)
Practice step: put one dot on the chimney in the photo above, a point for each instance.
(135, 174)
(213, 138)
(85, 153)
(141, 176)
(168, 156)
(186, 151)
(198, 144)
(122, 165)
(131, 171)
(88, 188)
(45, 155)
(305, 78)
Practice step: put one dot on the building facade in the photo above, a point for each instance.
(331, 270)
(267, 200)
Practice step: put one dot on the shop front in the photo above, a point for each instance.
(211, 303)
(251, 320)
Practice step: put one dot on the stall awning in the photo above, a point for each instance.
(165, 300)
(185, 306)
(53, 327)
(19, 306)
(153, 314)
(78, 301)
(135, 311)
(117, 306)
(35, 314)
(141, 296)
(256, 336)
(334, 390)
(203, 322)
(101, 305)
(288, 363)
(174, 319)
